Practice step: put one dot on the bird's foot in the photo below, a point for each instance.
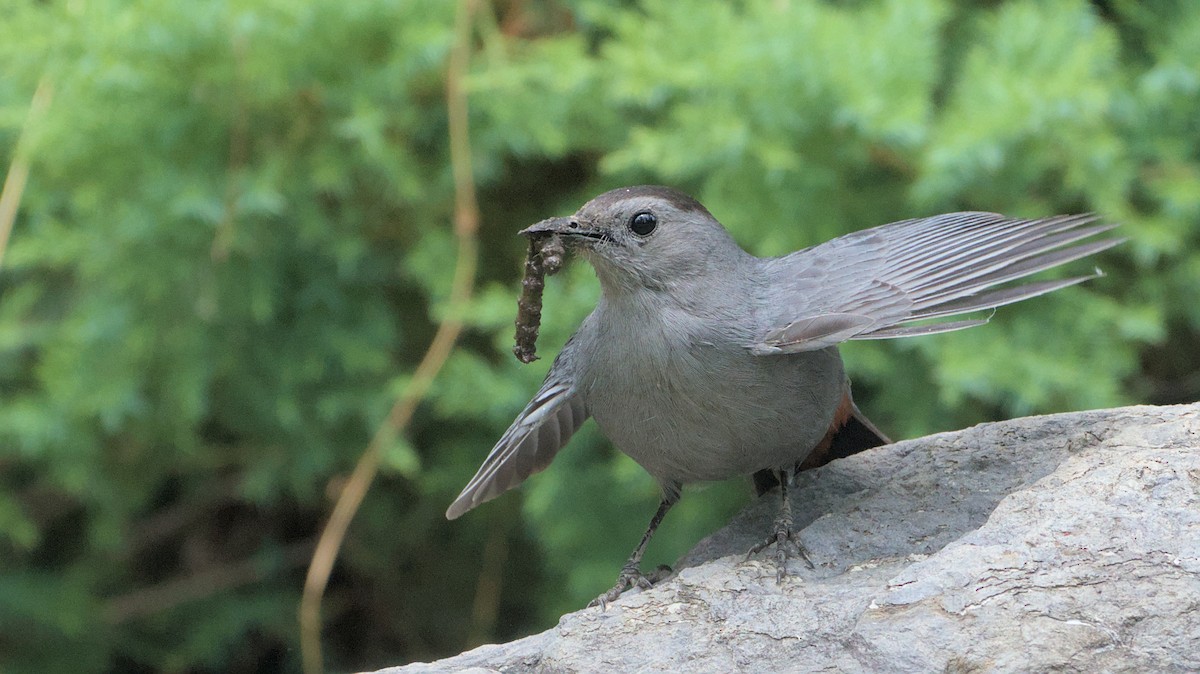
(785, 541)
(630, 577)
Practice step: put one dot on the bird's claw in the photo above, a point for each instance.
(630, 577)
(785, 541)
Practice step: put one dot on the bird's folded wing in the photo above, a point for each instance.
(871, 284)
(530, 443)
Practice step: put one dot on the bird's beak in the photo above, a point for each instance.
(571, 228)
(548, 226)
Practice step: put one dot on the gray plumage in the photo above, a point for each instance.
(703, 362)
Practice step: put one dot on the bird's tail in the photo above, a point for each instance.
(850, 433)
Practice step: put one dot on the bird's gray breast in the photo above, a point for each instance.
(683, 396)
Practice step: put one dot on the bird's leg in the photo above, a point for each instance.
(631, 574)
(782, 536)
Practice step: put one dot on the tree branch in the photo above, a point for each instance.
(205, 583)
(466, 223)
(18, 168)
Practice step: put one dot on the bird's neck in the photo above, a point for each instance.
(716, 296)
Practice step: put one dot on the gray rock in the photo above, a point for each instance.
(1061, 543)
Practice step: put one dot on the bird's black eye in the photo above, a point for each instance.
(643, 223)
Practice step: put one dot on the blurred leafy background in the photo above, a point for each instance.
(235, 245)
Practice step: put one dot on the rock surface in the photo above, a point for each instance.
(1068, 543)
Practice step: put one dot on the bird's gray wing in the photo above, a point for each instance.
(530, 443)
(871, 284)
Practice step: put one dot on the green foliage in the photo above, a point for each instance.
(235, 244)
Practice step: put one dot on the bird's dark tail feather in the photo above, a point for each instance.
(850, 433)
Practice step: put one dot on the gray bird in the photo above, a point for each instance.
(703, 362)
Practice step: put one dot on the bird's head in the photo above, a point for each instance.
(646, 237)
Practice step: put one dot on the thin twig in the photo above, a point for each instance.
(239, 135)
(205, 583)
(466, 223)
(18, 168)
(485, 609)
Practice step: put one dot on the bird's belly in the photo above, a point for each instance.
(712, 416)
